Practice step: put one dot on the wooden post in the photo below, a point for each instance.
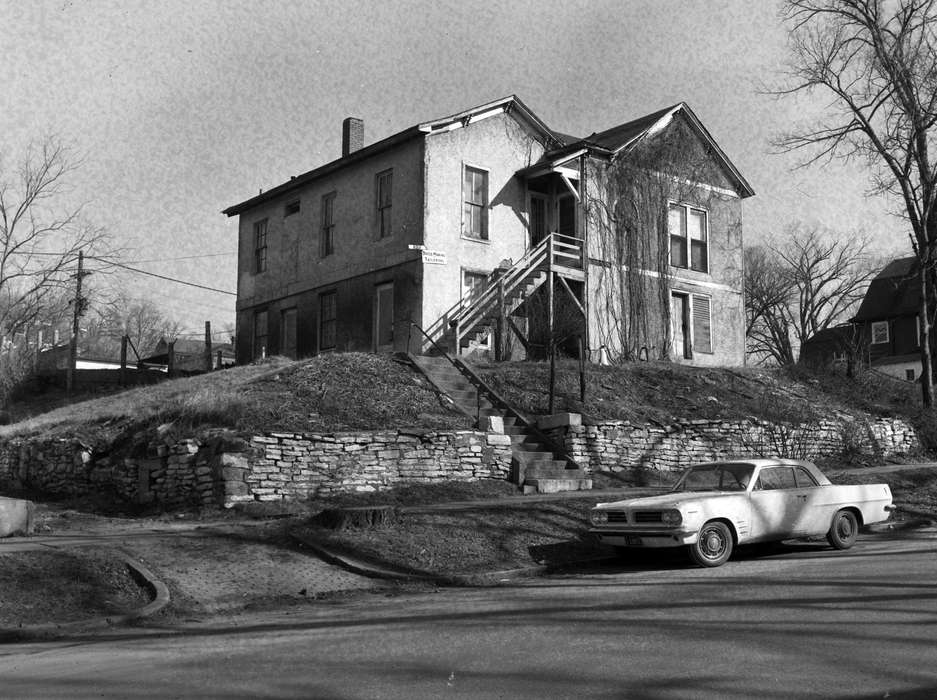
(219, 360)
(552, 375)
(502, 323)
(582, 371)
(123, 360)
(171, 358)
(208, 367)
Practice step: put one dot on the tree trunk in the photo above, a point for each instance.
(927, 375)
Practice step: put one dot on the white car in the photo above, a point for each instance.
(716, 506)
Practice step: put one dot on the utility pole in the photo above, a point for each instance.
(80, 304)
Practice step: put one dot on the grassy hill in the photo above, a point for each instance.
(359, 391)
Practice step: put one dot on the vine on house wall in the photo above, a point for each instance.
(630, 236)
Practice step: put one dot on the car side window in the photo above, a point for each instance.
(776, 478)
(804, 478)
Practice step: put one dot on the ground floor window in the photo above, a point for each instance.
(691, 324)
(327, 320)
(260, 335)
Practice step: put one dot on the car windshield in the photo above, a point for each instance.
(715, 477)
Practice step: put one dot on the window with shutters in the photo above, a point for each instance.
(260, 335)
(260, 246)
(702, 324)
(385, 186)
(327, 318)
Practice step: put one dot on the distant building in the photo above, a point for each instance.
(188, 355)
(887, 320)
(458, 226)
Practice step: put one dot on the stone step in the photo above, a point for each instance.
(556, 485)
(559, 470)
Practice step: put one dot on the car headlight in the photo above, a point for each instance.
(597, 517)
(671, 517)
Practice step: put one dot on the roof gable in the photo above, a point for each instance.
(893, 292)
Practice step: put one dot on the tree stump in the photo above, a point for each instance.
(361, 517)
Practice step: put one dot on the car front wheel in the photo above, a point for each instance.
(714, 545)
(844, 530)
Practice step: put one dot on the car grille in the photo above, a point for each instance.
(648, 516)
(617, 516)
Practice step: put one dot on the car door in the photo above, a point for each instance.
(775, 503)
(813, 513)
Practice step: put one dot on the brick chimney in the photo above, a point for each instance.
(352, 135)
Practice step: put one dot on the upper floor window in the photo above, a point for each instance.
(385, 187)
(475, 203)
(879, 332)
(291, 208)
(327, 233)
(689, 237)
(260, 245)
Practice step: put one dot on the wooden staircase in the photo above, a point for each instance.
(537, 465)
(478, 313)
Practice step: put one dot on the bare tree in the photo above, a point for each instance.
(138, 319)
(877, 61)
(795, 289)
(39, 236)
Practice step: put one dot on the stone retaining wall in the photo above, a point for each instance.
(221, 469)
(616, 445)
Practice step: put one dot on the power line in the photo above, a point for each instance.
(187, 257)
(164, 277)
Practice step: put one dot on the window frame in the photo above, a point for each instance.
(689, 307)
(385, 222)
(260, 246)
(686, 238)
(292, 207)
(260, 353)
(333, 320)
(872, 332)
(482, 208)
(327, 225)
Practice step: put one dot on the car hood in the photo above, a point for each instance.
(671, 499)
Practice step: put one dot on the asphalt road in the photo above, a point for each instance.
(798, 621)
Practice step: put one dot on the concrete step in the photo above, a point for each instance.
(559, 470)
(556, 485)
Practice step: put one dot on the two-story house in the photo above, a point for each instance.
(887, 320)
(484, 227)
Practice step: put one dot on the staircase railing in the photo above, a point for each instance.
(478, 396)
(555, 250)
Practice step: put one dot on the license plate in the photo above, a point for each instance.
(632, 540)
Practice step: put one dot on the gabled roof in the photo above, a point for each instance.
(608, 142)
(510, 104)
(893, 292)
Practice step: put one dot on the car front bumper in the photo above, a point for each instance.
(645, 538)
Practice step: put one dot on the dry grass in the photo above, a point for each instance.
(350, 391)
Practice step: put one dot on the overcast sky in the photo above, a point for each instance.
(182, 108)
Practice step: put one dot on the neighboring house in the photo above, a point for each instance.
(472, 226)
(56, 357)
(887, 320)
(188, 355)
(835, 345)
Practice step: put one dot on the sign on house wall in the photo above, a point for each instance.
(434, 257)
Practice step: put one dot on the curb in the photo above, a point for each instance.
(140, 573)
(483, 578)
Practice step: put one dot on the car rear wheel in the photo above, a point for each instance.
(844, 530)
(714, 545)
